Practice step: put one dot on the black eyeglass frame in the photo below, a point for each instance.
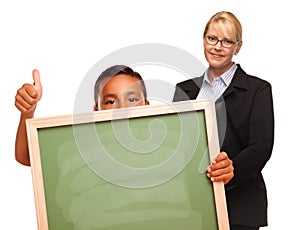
(231, 43)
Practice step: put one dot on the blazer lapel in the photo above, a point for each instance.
(233, 95)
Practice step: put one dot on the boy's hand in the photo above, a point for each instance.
(221, 169)
(29, 94)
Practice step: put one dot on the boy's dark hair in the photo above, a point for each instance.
(114, 71)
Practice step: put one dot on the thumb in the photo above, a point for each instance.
(37, 83)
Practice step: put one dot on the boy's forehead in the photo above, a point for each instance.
(119, 83)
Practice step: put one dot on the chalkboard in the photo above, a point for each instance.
(135, 168)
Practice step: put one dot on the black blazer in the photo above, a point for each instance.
(246, 132)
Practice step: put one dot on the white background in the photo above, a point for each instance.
(64, 39)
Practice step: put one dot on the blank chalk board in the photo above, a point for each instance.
(136, 168)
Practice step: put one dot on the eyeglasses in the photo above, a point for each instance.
(226, 43)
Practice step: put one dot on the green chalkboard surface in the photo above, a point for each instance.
(125, 169)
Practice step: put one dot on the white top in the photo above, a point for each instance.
(214, 90)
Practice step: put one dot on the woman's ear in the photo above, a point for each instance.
(238, 47)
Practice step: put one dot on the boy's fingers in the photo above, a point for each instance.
(37, 83)
(21, 101)
(24, 102)
(20, 107)
(28, 92)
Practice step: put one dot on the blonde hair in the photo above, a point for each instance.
(227, 20)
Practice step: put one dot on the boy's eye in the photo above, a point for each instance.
(131, 100)
(110, 102)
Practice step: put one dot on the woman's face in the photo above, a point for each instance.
(218, 56)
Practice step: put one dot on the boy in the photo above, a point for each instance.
(116, 87)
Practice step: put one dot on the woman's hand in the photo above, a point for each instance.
(221, 169)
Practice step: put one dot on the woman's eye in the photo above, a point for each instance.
(228, 42)
(211, 38)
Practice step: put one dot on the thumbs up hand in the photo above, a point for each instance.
(29, 94)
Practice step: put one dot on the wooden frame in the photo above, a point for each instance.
(36, 124)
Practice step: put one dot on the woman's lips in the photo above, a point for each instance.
(217, 55)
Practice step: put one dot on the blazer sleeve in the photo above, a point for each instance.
(249, 162)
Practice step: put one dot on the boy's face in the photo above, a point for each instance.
(121, 91)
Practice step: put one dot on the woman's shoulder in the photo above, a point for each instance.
(251, 79)
(190, 82)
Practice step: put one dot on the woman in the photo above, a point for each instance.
(245, 118)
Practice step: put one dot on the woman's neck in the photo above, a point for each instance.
(216, 72)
